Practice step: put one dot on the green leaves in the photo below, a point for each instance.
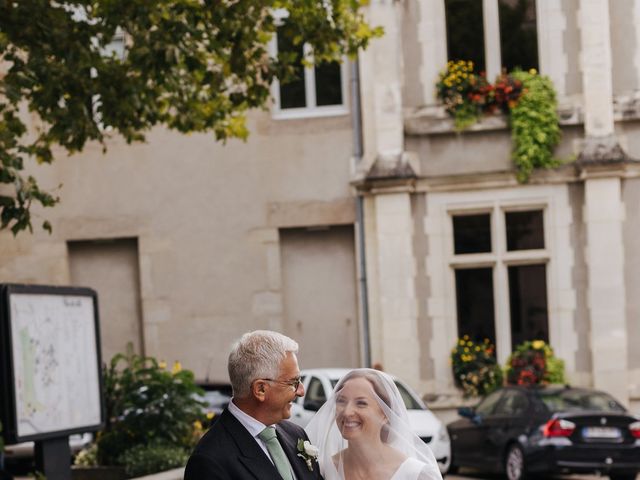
(147, 405)
(534, 125)
(194, 66)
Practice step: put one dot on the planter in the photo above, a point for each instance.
(117, 473)
(97, 473)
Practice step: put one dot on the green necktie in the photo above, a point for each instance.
(268, 436)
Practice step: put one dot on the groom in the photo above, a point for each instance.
(243, 443)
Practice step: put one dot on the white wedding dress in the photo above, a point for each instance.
(411, 469)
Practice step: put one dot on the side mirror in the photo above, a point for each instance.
(466, 412)
(471, 414)
(313, 405)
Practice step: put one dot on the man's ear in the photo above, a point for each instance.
(259, 390)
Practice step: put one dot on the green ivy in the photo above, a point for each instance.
(534, 125)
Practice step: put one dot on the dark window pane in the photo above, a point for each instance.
(328, 84)
(525, 230)
(292, 92)
(513, 403)
(465, 31)
(518, 34)
(472, 233)
(487, 406)
(528, 302)
(474, 299)
(579, 401)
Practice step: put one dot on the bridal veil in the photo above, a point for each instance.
(396, 432)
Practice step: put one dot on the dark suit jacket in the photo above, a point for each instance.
(229, 452)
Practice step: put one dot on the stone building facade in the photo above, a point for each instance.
(191, 243)
(576, 285)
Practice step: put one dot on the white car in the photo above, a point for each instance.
(319, 384)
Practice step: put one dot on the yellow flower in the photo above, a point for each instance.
(210, 415)
(177, 367)
(162, 365)
(461, 342)
(533, 71)
(466, 350)
(537, 344)
(197, 425)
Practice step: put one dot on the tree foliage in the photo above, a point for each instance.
(192, 65)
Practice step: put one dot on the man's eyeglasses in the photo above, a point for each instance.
(295, 383)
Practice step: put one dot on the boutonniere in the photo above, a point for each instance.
(308, 452)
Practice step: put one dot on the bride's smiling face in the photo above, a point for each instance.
(358, 413)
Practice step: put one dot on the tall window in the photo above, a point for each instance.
(518, 34)
(314, 91)
(510, 244)
(494, 34)
(465, 31)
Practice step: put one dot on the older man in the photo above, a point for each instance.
(252, 439)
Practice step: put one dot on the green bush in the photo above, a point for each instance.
(147, 405)
(475, 368)
(533, 363)
(147, 459)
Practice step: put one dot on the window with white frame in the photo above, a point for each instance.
(501, 250)
(494, 34)
(318, 90)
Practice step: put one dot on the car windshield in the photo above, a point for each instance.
(408, 400)
(579, 401)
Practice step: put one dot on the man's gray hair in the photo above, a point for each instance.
(257, 354)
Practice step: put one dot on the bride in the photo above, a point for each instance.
(363, 432)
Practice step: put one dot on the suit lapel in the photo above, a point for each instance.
(290, 447)
(249, 452)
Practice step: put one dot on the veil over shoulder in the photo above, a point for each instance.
(419, 462)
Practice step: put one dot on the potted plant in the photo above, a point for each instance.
(533, 363)
(527, 98)
(475, 368)
(154, 418)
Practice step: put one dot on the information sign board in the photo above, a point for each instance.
(50, 354)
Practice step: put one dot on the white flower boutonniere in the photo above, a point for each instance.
(308, 452)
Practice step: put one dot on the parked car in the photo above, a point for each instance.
(216, 396)
(547, 430)
(319, 384)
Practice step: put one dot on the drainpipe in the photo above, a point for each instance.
(358, 149)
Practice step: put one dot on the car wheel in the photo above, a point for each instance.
(514, 465)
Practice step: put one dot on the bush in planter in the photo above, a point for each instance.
(149, 410)
(146, 459)
(475, 369)
(533, 363)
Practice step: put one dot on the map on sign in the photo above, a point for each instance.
(55, 362)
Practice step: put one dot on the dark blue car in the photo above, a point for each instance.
(547, 430)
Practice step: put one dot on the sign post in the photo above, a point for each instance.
(50, 370)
